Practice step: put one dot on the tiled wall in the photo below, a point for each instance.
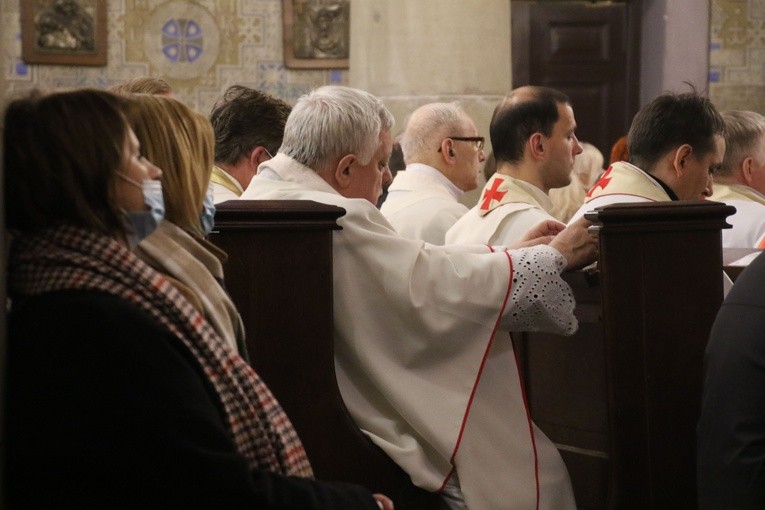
(249, 51)
(242, 45)
(737, 55)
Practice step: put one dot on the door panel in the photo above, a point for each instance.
(589, 51)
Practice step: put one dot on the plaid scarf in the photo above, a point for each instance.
(68, 257)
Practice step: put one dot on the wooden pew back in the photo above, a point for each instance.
(621, 397)
(279, 275)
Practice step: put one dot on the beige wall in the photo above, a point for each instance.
(411, 53)
(674, 47)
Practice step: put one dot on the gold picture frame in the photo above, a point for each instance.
(64, 32)
(316, 33)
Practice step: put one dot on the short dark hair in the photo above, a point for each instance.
(671, 120)
(245, 118)
(522, 113)
(62, 152)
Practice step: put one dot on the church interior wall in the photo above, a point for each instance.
(737, 55)
(250, 50)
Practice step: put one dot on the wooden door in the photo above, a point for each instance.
(591, 52)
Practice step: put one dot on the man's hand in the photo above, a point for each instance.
(576, 244)
(542, 233)
(383, 502)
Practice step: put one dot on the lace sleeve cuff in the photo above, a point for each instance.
(539, 299)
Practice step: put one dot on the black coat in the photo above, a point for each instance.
(731, 432)
(107, 409)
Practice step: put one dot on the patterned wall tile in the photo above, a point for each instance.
(737, 55)
(199, 46)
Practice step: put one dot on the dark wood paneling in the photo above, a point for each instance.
(279, 275)
(587, 50)
(621, 397)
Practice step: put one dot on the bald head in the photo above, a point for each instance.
(444, 137)
(427, 126)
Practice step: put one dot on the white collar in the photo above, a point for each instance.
(435, 173)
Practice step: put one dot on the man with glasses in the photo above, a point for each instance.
(249, 125)
(532, 135)
(423, 359)
(443, 153)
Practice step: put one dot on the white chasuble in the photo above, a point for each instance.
(507, 209)
(749, 220)
(421, 205)
(622, 183)
(423, 361)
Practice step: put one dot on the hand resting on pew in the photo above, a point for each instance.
(575, 242)
(542, 233)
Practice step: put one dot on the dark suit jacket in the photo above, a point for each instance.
(731, 431)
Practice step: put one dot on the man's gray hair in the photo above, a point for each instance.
(744, 132)
(428, 125)
(334, 121)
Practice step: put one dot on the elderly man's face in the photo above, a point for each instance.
(367, 180)
(469, 158)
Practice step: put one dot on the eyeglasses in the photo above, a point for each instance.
(477, 140)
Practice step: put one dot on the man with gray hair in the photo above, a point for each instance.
(740, 181)
(443, 153)
(424, 362)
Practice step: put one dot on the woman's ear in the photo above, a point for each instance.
(344, 170)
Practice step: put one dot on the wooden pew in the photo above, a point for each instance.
(621, 397)
(279, 274)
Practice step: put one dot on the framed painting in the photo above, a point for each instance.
(64, 32)
(316, 33)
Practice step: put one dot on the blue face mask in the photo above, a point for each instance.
(143, 223)
(207, 217)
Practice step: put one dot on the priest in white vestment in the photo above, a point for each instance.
(534, 144)
(248, 125)
(740, 182)
(443, 152)
(423, 361)
(675, 145)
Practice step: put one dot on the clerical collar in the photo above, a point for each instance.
(666, 188)
(436, 174)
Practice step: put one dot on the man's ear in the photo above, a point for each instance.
(254, 157)
(344, 170)
(747, 170)
(680, 159)
(258, 155)
(536, 145)
(447, 152)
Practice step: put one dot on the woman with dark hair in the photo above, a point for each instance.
(119, 393)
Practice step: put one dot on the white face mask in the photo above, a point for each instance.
(207, 217)
(143, 223)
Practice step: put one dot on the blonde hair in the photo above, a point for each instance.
(181, 142)
(587, 167)
(143, 85)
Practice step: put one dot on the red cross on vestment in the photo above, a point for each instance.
(492, 194)
(602, 182)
